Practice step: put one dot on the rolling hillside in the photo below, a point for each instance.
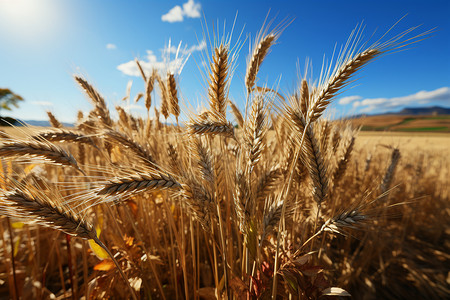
(413, 123)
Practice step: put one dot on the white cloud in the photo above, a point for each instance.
(176, 14)
(422, 97)
(192, 9)
(165, 64)
(111, 46)
(42, 103)
(201, 46)
(349, 99)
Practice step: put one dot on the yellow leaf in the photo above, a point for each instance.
(17, 225)
(105, 265)
(98, 251)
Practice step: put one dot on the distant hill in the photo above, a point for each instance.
(43, 123)
(422, 119)
(433, 110)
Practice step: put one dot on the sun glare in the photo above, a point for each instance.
(29, 20)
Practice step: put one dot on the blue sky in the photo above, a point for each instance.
(44, 42)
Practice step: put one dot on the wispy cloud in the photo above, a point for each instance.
(111, 46)
(165, 63)
(422, 97)
(177, 13)
(349, 99)
(42, 103)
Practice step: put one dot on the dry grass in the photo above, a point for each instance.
(288, 205)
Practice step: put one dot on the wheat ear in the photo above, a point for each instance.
(101, 109)
(53, 120)
(217, 91)
(138, 182)
(44, 211)
(63, 135)
(141, 70)
(337, 81)
(39, 150)
(173, 95)
(211, 128)
(255, 130)
(259, 52)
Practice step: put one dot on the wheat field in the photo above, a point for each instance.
(271, 202)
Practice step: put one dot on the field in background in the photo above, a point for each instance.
(410, 141)
(412, 123)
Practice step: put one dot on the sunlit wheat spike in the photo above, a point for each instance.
(53, 120)
(173, 95)
(63, 135)
(138, 97)
(200, 203)
(204, 159)
(44, 211)
(101, 110)
(217, 90)
(38, 150)
(260, 50)
(149, 86)
(304, 97)
(346, 220)
(141, 70)
(272, 216)
(255, 130)
(137, 183)
(211, 128)
(339, 79)
(312, 155)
